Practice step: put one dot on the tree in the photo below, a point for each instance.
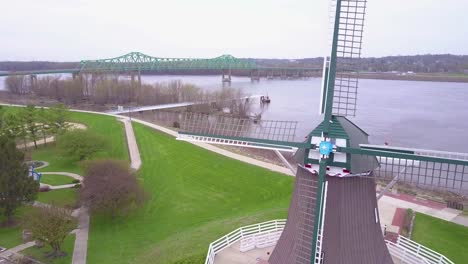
(110, 187)
(31, 117)
(58, 116)
(45, 119)
(16, 186)
(51, 225)
(15, 84)
(80, 144)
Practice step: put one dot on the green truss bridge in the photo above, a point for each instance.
(135, 63)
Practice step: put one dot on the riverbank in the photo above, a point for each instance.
(421, 77)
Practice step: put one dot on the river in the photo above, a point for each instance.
(430, 115)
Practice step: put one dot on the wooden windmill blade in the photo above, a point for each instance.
(428, 169)
(243, 132)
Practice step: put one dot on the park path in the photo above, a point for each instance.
(15, 250)
(80, 251)
(134, 152)
(64, 186)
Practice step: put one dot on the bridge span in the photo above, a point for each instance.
(135, 63)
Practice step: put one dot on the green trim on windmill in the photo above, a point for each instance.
(335, 129)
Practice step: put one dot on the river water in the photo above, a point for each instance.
(430, 115)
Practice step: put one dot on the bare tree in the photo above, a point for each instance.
(15, 84)
(110, 187)
(51, 225)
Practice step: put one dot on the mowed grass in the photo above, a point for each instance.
(11, 236)
(105, 126)
(63, 197)
(40, 253)
(445, 237)
(196, 196)
(56, 179)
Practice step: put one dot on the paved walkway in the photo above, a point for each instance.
(133, 150)
(392, 208)
(64, 186)
(16, 249)
(80, 250)
(233, 255)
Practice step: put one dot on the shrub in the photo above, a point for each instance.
(110, 187)
(80, 144)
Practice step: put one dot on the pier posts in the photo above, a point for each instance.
(226, 76)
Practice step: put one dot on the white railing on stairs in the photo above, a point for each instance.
(252, 236)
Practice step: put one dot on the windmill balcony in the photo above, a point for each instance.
(254, 244)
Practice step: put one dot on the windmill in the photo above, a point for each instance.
(333, 216)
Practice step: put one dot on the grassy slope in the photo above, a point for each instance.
(63, 197)
(444, 237)
(196, 197)
(39, 253)
(104, 125)
(55, 180)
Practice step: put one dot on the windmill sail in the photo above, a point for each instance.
(341, 67)
(435, 170)
(225, 130)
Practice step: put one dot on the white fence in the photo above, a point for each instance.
(268, 233)
(252, 236)
(429, 255)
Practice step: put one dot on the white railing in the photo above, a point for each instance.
(405, 255)
(252, 236)
(431, 256)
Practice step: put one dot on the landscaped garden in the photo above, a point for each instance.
(195, 196)
(11, 234)
(445, 237)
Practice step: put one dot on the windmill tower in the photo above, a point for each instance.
(333, 215)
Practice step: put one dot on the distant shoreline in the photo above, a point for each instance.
(462, 78)
(422, 77)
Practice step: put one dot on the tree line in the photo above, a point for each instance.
(113, 90)
(428, 63)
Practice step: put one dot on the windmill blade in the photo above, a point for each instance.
(436, 170)
(341, 79)
(243, 132)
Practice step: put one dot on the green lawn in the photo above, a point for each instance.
(11, 236)
(196, 197)
(106, 126)
(63, 197)
(442, 236)
(39, 253)
(55, 179)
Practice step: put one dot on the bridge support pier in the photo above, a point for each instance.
(255, 75)
(226, 76)
(139, 79)
(284, 75)
(33, 80)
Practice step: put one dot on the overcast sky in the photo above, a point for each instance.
(70, 30)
